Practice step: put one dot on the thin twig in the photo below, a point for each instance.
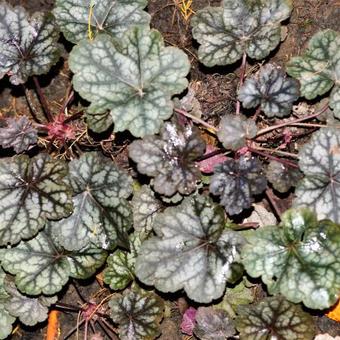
(211, 128)
(42, 99)
(279, 152)
(242, 74)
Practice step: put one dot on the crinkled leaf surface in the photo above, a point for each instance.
(319, 160)
(300, 258)
(6, 321)
(28, 44)
(170, 158)
(236, 181)
(213, 324)
(120, 270)
(18, 134)
(318, 69)
(133, 78)
(145, 208)
(42, 266)
(137, 313)
(107, 16)
(191, 251)
(272, 90)
(29, 310)
(101, 214)
(243, 26)
(274, 318)
(281, 176)
(31, 190)
(234, 130)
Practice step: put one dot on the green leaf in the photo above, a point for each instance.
(271, 89)
(136, 81)
(29, 310)
(145, 208)
(300, 258)
(226, 33)
(28, 44)
(274, 318)
(102, 215)
(18, 134)
(281, 176)
(31, 190)
(192, 250)
(170, 158)
(213, 324)
(6, 321)
(107, 16)
(234, 130)
(120, 270)
(318, 68)
(42, 266)
(138, 314)
(319, 160)
(236, 182)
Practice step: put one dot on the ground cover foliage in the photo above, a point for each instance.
(176, 220)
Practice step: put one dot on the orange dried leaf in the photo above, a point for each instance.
(334, 313)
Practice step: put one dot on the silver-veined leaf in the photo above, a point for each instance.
(31, 190)
(42, 266)
(226, 33)
(274, 318)
(138, 314)
(104, 16)
(319, 159)
(192, 250)
(6, 321)
(135, 82)
(102, 215)
(272, 90)
(318, 69)
(300, 258)
(236, 182)
(170, 158)
(28, 44)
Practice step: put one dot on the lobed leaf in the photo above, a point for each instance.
(299, 258)
(192, 250)
(28, 44)
(236, 182)
(6, 321)
(31, 191)
(103, 16)
(274, 318)
(226, 33)
(169, 158)
(136, 81)
(137, 313)
(272, 90)
(319, 159)
(101, 216)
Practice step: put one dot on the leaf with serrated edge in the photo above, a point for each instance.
(31, 190)
(107, 16)
(135, 82)
(18, 134)
(281, 176)
(236, 182)
(318, 69)
(137, 313)
(192, 250)
(6, 321)
(29, 310)
(319, 160)
(145, 208)
(42, 266)
(271, 89)
(28, 44)
(120, 270)
(274, 318)
(300, 258)
(251, 27)
(170, 158)
(234, 130)
(102, 215)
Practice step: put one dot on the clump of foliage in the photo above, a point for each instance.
(68, 209)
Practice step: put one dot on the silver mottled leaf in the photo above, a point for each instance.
(6, 321)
